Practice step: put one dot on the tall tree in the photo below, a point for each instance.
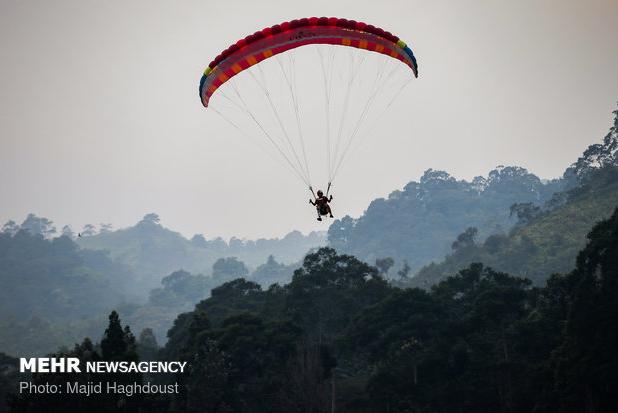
(68, 232)
(384, 264)
(465, 239)
(88, 230)
(151, 218)
(587, 367)
(10, 227)
(147, 346)
(105, 228)
(38, 226)
(229, 268)
(114, 344)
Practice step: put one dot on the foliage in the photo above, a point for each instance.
(596, 156)
(543, 242)
(480, 340)
(419, 223)
(486, 341)
(147, 346)
(225, 269)
(384, 264)
(585, 363)
(9, 377)
(38, 226)
(279, 335)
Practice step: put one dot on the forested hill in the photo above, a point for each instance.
(53, 291)
(545, 240)
(340, 337)
(153, 251)
(419, 223)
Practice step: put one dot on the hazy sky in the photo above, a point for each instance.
(100, 119)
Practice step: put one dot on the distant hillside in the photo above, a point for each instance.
(419, 223)
(51, 289)
(547, 240)
(547, 244)
(153, 251)
(54, 292)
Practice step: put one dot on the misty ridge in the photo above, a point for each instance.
(62, 284)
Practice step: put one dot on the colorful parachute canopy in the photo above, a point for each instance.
(289, 35)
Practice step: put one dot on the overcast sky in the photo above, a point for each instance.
(100, 119)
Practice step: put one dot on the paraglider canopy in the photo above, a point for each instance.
(289, 35)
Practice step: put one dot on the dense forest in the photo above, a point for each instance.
(544, 240)
(339, 336)
(418, 223)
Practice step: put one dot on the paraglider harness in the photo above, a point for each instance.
(321, 202)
